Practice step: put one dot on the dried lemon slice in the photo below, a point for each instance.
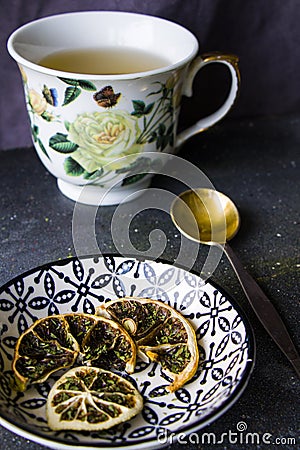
(57, 342)
(89, 398)
(43, 348)
(160, 332)
(110, 346)
(103, 342)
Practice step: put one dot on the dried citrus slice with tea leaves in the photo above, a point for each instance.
(90, 398)
(45, 347)
(109, 345)
(103, 342)
(60, 341)
(80, 324)
(160, 332)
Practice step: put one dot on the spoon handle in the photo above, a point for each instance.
(264, 310)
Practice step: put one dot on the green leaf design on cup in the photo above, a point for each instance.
(35, 134)
(72, 167)
(87, 85)
(84, 84)
(141, 109)
(71, 93)
(42, 147)
(133, 179)
(61, 144)
(74, 89)
(157, 117)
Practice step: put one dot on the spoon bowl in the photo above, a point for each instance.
(210, 217)
(206, 216)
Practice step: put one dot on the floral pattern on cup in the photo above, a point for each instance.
(94, 141)
(39, 105)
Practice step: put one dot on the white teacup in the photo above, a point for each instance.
(91, 130)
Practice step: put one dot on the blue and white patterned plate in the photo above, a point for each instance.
(225, 340)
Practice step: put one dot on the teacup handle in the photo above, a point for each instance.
(231, 61)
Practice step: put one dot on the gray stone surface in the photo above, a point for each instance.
(256, 163)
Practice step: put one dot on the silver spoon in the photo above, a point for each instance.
(209, 217)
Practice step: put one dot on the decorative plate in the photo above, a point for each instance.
(225, 340)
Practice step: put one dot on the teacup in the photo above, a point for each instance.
(103, 89)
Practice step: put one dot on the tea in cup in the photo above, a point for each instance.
(103, 90)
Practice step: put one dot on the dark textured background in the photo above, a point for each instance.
(257, 164)
(265, 34)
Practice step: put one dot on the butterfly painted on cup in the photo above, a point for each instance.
(106, 97)
(50, 94)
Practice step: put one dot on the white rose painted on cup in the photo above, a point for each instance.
(102, 137)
